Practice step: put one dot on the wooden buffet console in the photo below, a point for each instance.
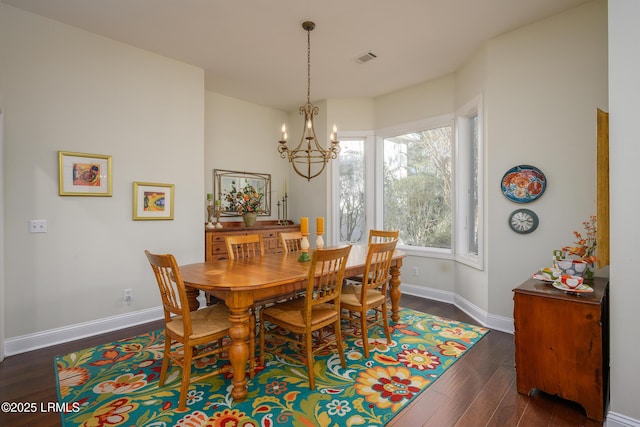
(562, 343)
(214, 246)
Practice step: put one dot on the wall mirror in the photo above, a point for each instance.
(227, 184)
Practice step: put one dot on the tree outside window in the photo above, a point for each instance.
(352, 215)
(417, 177)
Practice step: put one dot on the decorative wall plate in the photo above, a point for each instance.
(523, 184)
(523, 221)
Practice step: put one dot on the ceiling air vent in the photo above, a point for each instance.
(366, 57)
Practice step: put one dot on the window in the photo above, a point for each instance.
(352, 212)
(354, 187)
(469, 188)
(417, 182)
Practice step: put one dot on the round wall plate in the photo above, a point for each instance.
(523, 221)
(523, 184)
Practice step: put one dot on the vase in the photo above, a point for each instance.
(249, 219)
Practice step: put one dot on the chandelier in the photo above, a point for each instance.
(309, 158)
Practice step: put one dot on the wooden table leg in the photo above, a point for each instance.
(192, 297)
(239, 351)
(395, 290)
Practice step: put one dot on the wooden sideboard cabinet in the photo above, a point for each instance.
(215, 248)
(562, 343)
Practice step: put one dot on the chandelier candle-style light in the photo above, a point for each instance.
(309, 158)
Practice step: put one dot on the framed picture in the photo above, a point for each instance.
(81, 174)
(242, 191)
(152, 201)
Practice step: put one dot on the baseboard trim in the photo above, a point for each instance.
(614, 419)
(492, 321)
(51, 337)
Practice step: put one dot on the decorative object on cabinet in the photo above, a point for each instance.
(573, 267)
(309, 158)
(283, 202)
(214, 238)
(562, 342)
(81, 174)
(249, 218)
(152, 201)
(218, 209)
(240, 192)
(584, 248)
(523, 184)
(210, 211)
(523, 221)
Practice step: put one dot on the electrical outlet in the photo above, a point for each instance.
(127, 295)
(415, 271)
(38, 226)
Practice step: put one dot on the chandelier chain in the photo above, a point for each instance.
(309, 66)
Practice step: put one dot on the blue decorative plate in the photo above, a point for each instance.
(523, 184)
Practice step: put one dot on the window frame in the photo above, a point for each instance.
(369, 189)
(416, 126)
(462, 177)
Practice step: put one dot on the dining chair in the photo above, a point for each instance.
(244, 246)
(377, 236)
(380, 236)
(291, 241)
(202, 333)
(318, 309)
(369, 298)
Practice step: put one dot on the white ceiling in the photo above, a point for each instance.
(255, 50)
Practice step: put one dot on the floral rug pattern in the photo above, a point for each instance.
(116, 384)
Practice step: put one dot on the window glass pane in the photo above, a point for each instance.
(473, 197)
(417, 187)
(352, 191)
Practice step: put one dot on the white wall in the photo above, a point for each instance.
(65, 89)
(544, 84)
(429, 99)
(242, 136)
(624, 92)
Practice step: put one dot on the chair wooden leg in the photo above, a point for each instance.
(340, 343)
(309, 351)
(165, 359)
(186, 378)
(262, 332)
(385, 320)
(365, 333)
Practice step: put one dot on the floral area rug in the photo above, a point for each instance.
(116, 384)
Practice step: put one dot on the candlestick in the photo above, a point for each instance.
(218, 211)
(304, 248)
(209, 212)
(319, 241)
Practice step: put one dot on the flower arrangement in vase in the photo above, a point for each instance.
(247, 201)
(584, 248)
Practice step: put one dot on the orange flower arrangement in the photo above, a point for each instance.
(247, 199)
(585, 247)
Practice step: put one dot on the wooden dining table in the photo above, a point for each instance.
(240, 283)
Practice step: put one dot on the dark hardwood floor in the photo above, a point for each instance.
(478, 390)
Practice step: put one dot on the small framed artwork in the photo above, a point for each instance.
(81, 174)
(152, 201)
